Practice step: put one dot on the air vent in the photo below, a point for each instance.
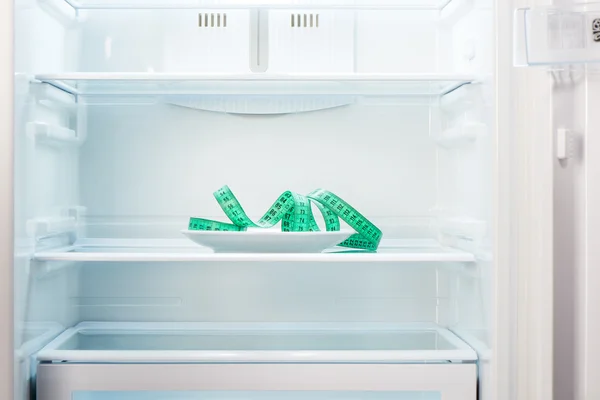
(304, 20)
(212, 20)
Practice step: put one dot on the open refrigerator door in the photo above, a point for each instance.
(563, 40)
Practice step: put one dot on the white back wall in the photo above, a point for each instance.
(267, 292)
(166, 161)
(344, 41)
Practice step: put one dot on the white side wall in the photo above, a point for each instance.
(466, 182)
(42, 174)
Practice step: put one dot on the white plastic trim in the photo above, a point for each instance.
(184, 250)
(158, 76)
(53, 351)
(588, 275)
(257, 105)
(49, 95)
(137, 83)
(438, 5)
(50, 330)
(61, 10)
(40, 227)
(51, 134)
(455, 382)
(455, 10)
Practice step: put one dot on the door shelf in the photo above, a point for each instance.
(546, 36)
(139, 84)
(256, 342)
(175, 250)
(436, 5)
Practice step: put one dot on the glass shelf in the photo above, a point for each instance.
(546, 36)
(175, 250)
(271, 4)
(252, 342)
(95, 84)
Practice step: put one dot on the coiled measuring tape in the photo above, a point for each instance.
(295, 213)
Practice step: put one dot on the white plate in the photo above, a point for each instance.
(267, 241)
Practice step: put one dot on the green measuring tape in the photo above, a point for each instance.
(295, 213)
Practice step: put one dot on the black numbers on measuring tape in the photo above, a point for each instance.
(297, 216)
(596, 30)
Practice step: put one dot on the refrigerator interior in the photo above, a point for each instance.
(129, 114)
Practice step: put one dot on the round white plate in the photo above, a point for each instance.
(267, 241)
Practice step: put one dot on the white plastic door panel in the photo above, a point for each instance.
(523, 346)
(577, 237)
(562, 38)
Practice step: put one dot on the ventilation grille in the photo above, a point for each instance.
(212, 20)
(304, 20)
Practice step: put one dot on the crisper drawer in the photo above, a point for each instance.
(70, 381)
(96, 361)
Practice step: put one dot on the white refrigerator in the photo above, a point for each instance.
(418, 187)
